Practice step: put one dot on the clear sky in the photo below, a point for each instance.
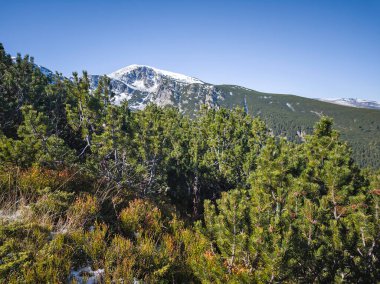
(309, 48)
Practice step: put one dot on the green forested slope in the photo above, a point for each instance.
(360, 127)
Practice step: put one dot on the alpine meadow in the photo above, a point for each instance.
(150, 176)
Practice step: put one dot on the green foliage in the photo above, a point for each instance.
(52, 204)
(22, 83)
(16, 250)
(229, 226)
(120, 260)
(307, 217)
(35, 145)
(157, 197)
(52, 263)
(141, 218)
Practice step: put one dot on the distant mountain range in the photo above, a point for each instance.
(353, 102)
(287, 115)
(140, 84)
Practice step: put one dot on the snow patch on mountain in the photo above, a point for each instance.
(290, 106)
(86, 275)
(319, 114)
(152, 72)
(351, 102)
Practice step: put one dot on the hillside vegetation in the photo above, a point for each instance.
(92, 191)
(290, 116)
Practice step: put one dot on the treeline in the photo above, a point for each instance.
(154, 196)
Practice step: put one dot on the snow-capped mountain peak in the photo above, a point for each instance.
(142, 72)
(141, 84)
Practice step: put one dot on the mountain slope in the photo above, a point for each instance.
(292, 116)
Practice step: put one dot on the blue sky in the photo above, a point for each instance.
(308, 48)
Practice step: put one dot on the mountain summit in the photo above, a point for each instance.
(140, 84)
(148, 78)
